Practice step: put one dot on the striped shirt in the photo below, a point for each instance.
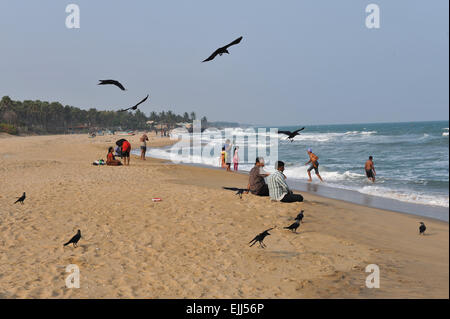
(278, 187)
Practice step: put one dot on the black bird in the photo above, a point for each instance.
(260, 237)
(134, 107)
(113, 82)
(294, 226)
(290, 134)
(20, 199)
(239, 191)
(422, 228)
(74, 240)
(223, 50)
(300, 216)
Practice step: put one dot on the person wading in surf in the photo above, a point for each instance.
(314, 160)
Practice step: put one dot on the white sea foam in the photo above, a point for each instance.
(335, 175)
(406, 196)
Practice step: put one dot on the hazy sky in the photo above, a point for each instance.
(300, 62)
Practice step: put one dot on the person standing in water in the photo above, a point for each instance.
(236, 158)
(370, 169)
(144, 139)
(228, 156)
(314, 164)
(223, 156)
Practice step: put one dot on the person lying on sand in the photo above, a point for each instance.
(111, 159)
(278, 188)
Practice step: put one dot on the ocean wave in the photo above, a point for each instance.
(406, 196)
(300, 172)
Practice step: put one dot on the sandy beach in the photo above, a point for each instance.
(192, 244)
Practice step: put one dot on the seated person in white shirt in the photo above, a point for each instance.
(278, 188)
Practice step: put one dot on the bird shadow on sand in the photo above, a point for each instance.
(284, 254)
(301, 232)
(429, 234)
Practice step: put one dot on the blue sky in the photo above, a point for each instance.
(300, 62)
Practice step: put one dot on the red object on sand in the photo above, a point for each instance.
(156, 199)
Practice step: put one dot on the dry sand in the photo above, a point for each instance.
(193, 244)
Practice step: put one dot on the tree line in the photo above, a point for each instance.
(37, 117)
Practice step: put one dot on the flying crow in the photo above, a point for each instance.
(290, 134)
(239, 191)
(113, 82)
(222, 50)
(134, 107)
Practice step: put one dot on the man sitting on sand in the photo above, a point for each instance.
(256, 183)
(370, 169)
(278, 188)
(314, 160)
(110, 158)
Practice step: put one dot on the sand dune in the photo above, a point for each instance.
(193, 244)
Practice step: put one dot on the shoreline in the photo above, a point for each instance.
(351, 196)
(319, 194)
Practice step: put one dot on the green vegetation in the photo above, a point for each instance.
(37, 117)
(7, 128)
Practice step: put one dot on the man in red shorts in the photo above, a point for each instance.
(126, 148)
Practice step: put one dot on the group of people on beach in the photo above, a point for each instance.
(276, 186)
(225, 157)
(123, 150)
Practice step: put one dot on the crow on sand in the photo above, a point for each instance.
(260, 237)
(20, 199)
(74, 240)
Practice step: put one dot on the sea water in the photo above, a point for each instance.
(411, 159)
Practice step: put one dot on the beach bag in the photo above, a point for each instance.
(99, 163)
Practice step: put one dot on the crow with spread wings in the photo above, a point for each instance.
(134, 107)
(223, 50)
(239, 191)
(290, 134)
(260, 237)
(113, 82)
